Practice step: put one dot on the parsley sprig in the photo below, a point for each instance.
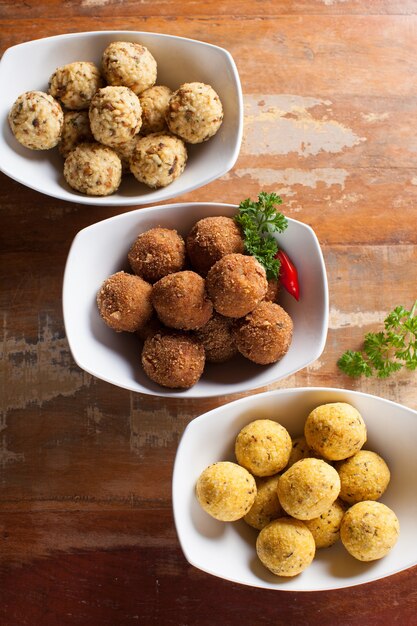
(258, 221)
(386, 351)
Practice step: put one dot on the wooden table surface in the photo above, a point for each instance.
(86, 526)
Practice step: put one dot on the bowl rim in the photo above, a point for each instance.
(207, 416)
(164, 193)
(175, 393)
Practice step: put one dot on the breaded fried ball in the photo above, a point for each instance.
(93, 169)
(76, 130)
(115, 115)
(266, 506)
(263, 447)
(181, 301)
(369, 530)
(158, 159)
(335, 430)
(363, 476)
(308, 488)
(210, 239)
(226, 491)
(236, 284)
(152, 327)
(129, 64)
(326, 528)
(264, 335)
(75, 84)
(216, 337)
(154, 102)
(156, 253)
(36, 120)
(173, 360)
(286, 547)
(195, 112)
(124, 302)
(273, 290)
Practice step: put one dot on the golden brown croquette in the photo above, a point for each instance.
(216, 337)
(124, 302)
(181, 301)
(174, 360)
(156, 253)
(210, 239)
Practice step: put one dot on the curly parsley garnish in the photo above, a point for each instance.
(258, 221)
(387, 351)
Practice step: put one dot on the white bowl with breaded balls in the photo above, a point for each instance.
(28, 66)
(101, 250)
(227, 549)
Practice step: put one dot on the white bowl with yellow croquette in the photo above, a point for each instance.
(332, 525)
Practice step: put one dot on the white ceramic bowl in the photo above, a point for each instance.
(29, 65)
(227, 550)
(101, 249)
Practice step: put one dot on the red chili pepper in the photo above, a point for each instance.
(288, 275)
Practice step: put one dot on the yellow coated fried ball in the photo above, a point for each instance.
(363, 476)
(266, 506)
(326, 528)
(335, 430)
(226, 491)
(308, 488)
(286, 546)
(263, 447)
(369, 530)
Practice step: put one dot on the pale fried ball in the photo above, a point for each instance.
(115, 115)
(335, 430)
(326, 528)
(264, 335)
(154, 102)
(173, 360)
(286, 546)
(216, 337)
(158, 159)
(308, 488)
(76, 130)
(93, 169)
(195, 112)
(210, 239)
(263, 447)
(125, 151)
(236, 284)
(226, 491)
(156, 253)
(130, 64)
(369, 530)
(363, 476)
(36, 120)
(181, 301)
(266, 506)
(75, 84)
(124, 302)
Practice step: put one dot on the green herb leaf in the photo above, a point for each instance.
(258, 221)
(387, 351)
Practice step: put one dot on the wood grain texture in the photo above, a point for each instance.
(86, 529)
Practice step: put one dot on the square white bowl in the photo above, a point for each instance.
(228, 550)
(101, 249)
(28, 66)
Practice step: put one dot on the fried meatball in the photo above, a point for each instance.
(369, 530)
(308, 488)
(236, 284)
(115, 115)
(36, 120)
(226, 491)
(76, 130)
(263, 447)
(93, 169)
(173, 360)
(124, 302)
(326, 528)
(273, 290)
(75, 84)
(264, 335)
(129, 64)
(156, 253)
(195, 112)
(266, 506)
(181, 301)
(335, 430)
(363, 476)
(216, 337)
(158, 160)
(210, 239)
(154, 102)
(286, 547)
